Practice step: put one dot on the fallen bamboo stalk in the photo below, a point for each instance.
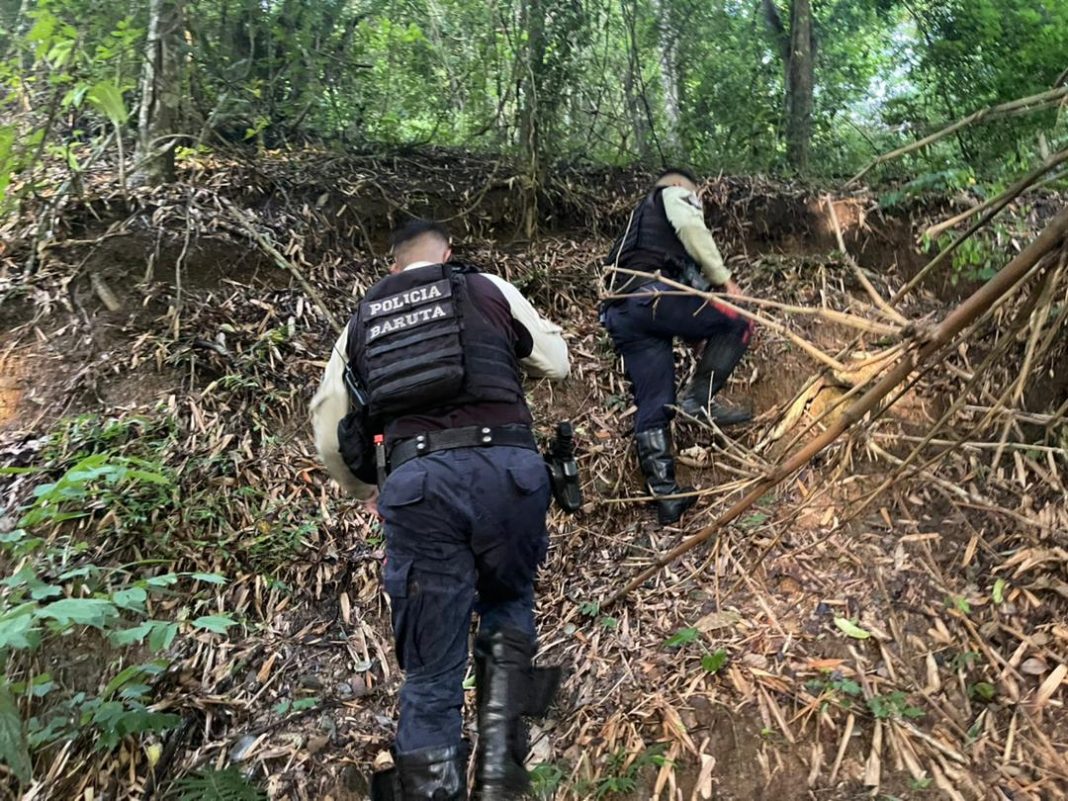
(729, 301)
(1008, 195)
(880, 303)
(801, 342)
(245, 227)
(1023, 105)
(936, 338)
(966, 444)
(996, 353)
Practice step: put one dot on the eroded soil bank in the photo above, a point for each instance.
(157, 327)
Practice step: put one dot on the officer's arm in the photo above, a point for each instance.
(687, 218)
(548, 356)
(330, 404)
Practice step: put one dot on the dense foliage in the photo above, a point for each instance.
(715, 84)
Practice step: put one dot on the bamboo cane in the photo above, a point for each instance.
(937, 337)
(1009, 194)
(245, 227)
(1024, 105)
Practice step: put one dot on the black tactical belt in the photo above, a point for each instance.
(513, 436)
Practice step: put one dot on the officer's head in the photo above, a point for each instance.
(677, 176)
(420, 240)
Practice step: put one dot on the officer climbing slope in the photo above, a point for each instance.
(666, 232)
(429, 369)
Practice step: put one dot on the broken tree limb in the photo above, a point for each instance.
(1023, 105)
(1009, 194)
(246, 228)
(880, 303)
(990, 214)
(726, 300)
(924, 347)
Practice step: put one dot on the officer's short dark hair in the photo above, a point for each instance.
(416, 229)
(682, 171)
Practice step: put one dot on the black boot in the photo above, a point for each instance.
(507, 687)
(433, 774)
(721, 356)
(658, 466)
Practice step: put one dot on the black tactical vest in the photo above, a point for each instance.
(419, 344)
(648, 244)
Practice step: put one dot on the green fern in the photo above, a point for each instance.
(218, 785)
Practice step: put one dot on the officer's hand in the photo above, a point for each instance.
(371, 505)
(731, 288)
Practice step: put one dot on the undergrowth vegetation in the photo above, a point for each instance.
(96, 602)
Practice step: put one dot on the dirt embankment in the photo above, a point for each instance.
(730, 675)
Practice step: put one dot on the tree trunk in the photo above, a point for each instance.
(669, 77)
(799, 89)
(642, 139)
(797, 48)
(161, 89)
(530, 121)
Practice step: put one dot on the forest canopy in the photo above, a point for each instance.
(810, 87)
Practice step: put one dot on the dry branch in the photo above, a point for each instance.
(1024, 105)
(955, 322)
(1001, 200)
(248, 230)
(876, 298)
(731, 301)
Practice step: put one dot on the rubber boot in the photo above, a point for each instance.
(718, 361)
(507, 687)
(432, 774)
(657, 460)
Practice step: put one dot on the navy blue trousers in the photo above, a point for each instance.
(642, 328)
(461, 525)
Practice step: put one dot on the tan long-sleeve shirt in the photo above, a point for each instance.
(548, 358)
(687, 217)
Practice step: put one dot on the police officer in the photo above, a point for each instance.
(431, 359)
(667, 233)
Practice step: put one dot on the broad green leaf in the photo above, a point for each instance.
(217, 623)
(148, 477)
(132, 598)
(18, 629)
(13, 748)
(40, 686)
(162, 635)
(81, 611)
(132, 635)
(123, 677)
(208, 578)
(106, 98)
(682, 637)
(712, 663)
(25, 577)
(851, 629)
(131, 673)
